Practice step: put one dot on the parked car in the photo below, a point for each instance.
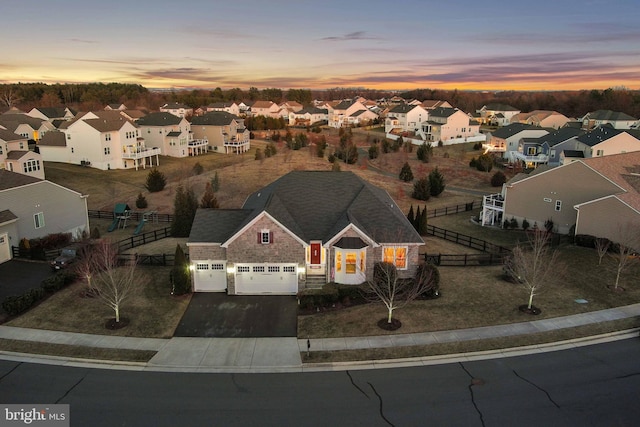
(67, 256)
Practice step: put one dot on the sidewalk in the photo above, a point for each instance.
(283, 354)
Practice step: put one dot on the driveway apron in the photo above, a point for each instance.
(219, 315)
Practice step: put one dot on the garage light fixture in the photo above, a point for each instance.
(231, 269)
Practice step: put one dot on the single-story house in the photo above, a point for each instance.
(303, 230)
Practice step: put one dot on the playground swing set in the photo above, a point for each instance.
(122, 214)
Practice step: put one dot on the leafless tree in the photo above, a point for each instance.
(535, 265)
(114, 283)
(626, 254)
(392, 291)
(602, 246)
(9, 97)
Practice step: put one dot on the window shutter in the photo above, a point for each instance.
(271, 237)
(259, 237)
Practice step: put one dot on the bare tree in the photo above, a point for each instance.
(535, 265)
(9, 97)
(602, 246)
(114, 283)
(392, 291)
(626, 254)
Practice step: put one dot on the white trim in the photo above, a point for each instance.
(41, 182)
(615, 196)
(339, 234)
(256, 219)
(203, 244)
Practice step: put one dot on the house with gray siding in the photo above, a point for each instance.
(303, 230)
(33, 208)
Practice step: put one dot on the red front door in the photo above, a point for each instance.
(315, 253)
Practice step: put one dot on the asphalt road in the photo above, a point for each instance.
(588, 386)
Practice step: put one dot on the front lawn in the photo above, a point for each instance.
(153, 312)
(477, 296)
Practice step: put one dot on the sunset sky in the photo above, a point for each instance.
(404, 44)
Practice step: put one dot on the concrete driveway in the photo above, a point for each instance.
(17, 276)
(239, 316)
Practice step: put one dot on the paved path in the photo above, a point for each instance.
(181, 354)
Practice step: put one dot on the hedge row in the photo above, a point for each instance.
(16, 304)
(328, 295)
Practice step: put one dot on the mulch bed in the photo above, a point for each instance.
(394, 325)
(524, 308)
(112, 325)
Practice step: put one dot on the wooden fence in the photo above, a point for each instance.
(469, 241)
(143, 239)
(135, 216)
(465, 260)
(153, 260)
(41, 255)
(452, 210)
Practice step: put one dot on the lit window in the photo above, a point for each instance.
(396, 255)
(338, 261)
(38, 220)
(350, 263)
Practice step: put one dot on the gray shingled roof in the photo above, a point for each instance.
(52, 112)
(442, 112)
(315, 205)
(610, 115)
(53, 139)
(6, 216)
(8, 136)
(159, 119)
(402, 108)
(573, 153)
(214, 118)
(17, 154)
(560, 135)
(12, 179)
(500, 107)
(12, 121)
(513, 129)
(598, 135)
(216, 225)
(344, 105)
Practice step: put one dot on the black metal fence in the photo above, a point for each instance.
(465, 240)
(465, 260)
(135, 216)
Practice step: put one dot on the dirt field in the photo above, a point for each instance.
(240, 175)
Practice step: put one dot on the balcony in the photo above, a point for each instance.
(494, 148)
(236, 145)
(199, 142)
(140, 153)
(528, 159)
(492, 209)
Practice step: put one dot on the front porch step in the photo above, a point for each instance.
(315, 281)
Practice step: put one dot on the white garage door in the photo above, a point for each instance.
(266, 278)
(210, 276)
(5, 250)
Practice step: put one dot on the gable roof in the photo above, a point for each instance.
(443, 112)
(598, 135)
(214, 118)
(499, 107)
(315, 205)
(343, 105)
(104, 125)
(262, 104)
(6, 216)
(53, 138)
(10, 180)
(402, 108)
(560, 135)
(624, 170)
(609, 115)
(216, 225)
(12, 121)
(175, 106)
(17, 154)
(513, 129)
(53, 112)
(159, 119)
(8, 136)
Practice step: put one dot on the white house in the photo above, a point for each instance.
(172, 134)
(52, 113)
(405, 118)
(497, 114)
(177, 109)
(265, 108)
(542, 118)
(308, 116)
(229, 107)
(615, 119)
(446, 124)
(349, 113)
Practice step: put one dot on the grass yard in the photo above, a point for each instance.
(477, 296)
(153, 312)
(75, 351)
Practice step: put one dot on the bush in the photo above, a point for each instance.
(270, 150)
(585, 240)
(374, 151)
(95, 233)
(259, 154)
(424, 152)
(55, 240)
(421, 189)
(498, 178)
(405, 173)
(180, 276)
(156, 181)
(525, 224)
(473, 162)
(436, 182)
(317, 298)
(141, 202)
(514, 223)
(198, 169)
(429, 273)
(58, 281)
(17, 304)
(548, 225)
(349, 292)
(484, 163)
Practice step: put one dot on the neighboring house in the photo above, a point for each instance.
(431, 104)
(616, 119)
(350, 113)
(29, 127)
(597, 196)
(506, 140)
(223, 131)
(448, 123)
(265, 108)
(25, 162)
(10, 141)
(52, 113)
(554, 143)
(605, 141)
(32, 208)
(100, 139)
(133, 115)
(303, 230)
(177, 109)
(291, 106)
(172, 134)
(229, 107)
(309, 116)
(542, 118)
(116, 107)
(497, 114)
(405, 118)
